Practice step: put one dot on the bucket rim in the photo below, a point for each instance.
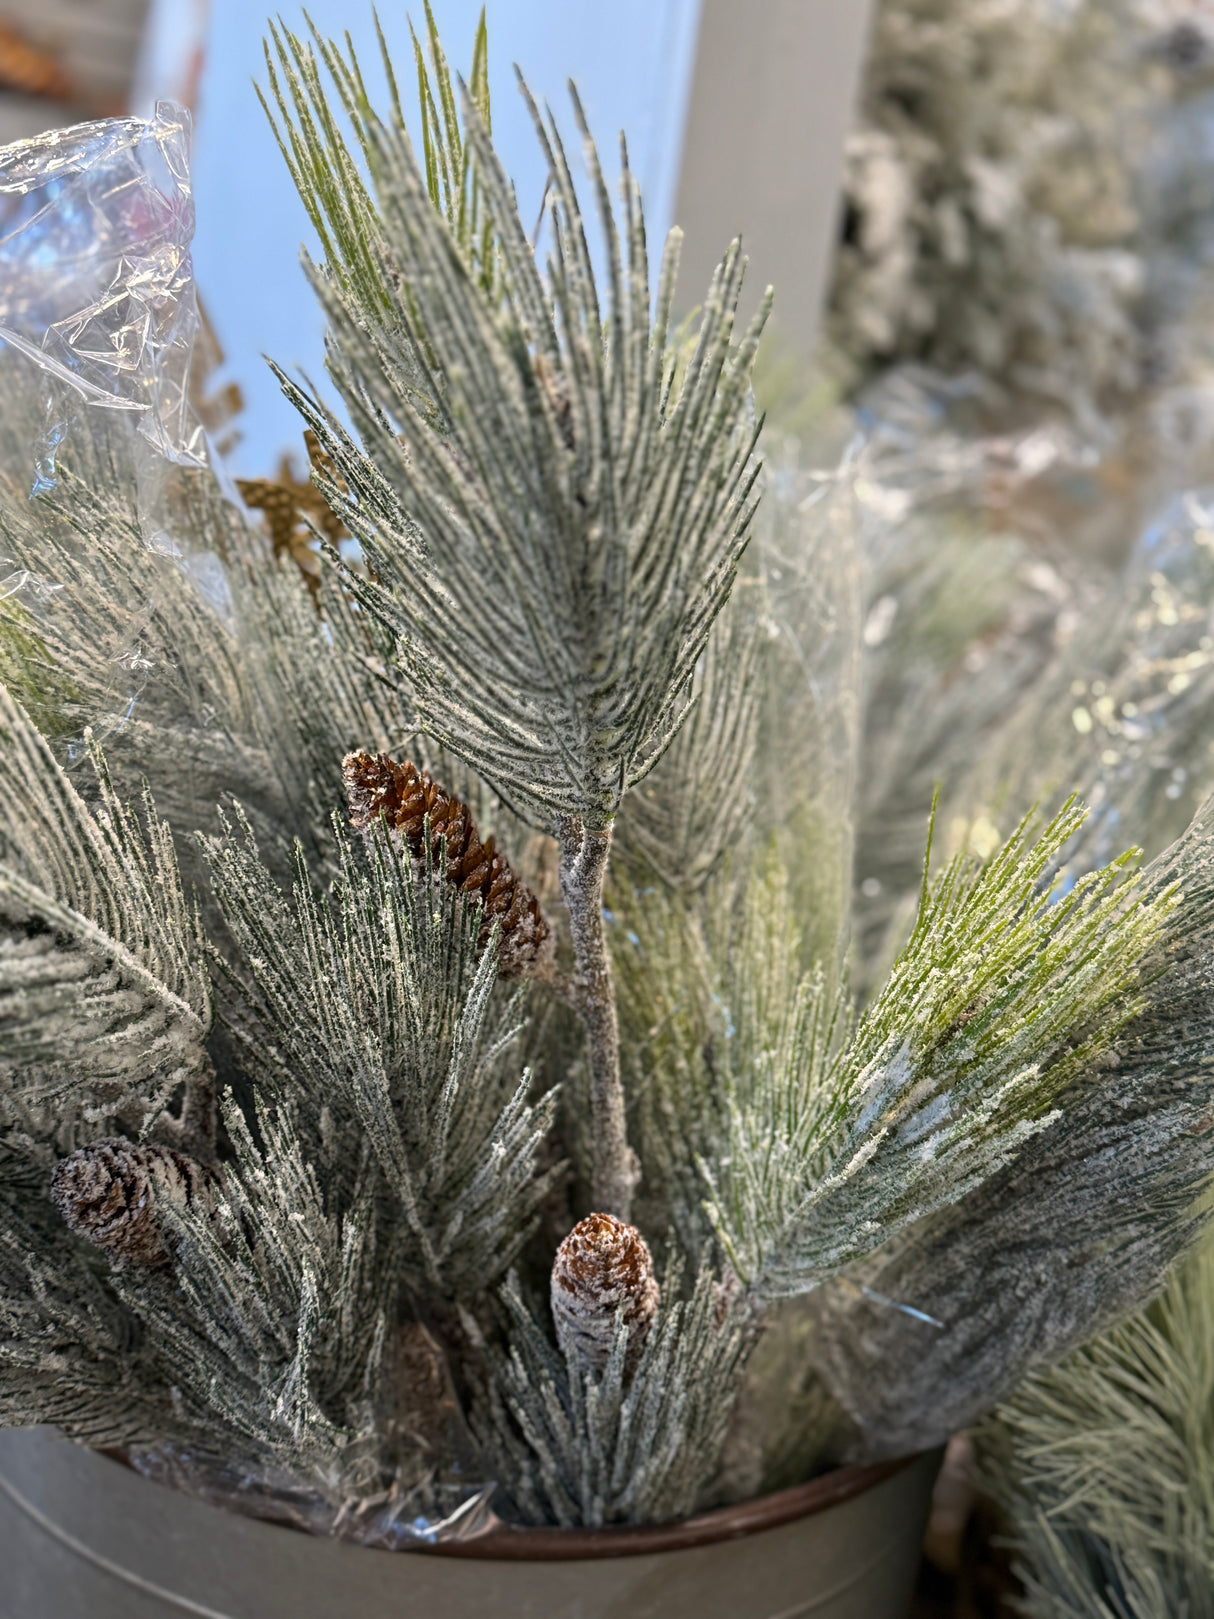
(512, 1544)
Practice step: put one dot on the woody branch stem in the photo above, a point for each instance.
(584, 856)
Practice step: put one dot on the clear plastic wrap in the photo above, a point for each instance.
(96, 282)
(98, 316)
(1037, 622)
(1123, 717)
(984, 543)
(391, 1520)
(810, 732)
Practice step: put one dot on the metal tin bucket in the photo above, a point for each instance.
(84, 1538)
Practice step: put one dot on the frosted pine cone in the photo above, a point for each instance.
(404, 796)
(602, 1267)
(111, 1192)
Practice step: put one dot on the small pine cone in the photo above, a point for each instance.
(404, 796)
(110, 1192)
(602, 1267)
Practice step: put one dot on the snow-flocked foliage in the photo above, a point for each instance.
(552, 499)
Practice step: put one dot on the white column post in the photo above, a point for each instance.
(772, 96)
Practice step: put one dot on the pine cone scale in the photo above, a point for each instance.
(405, 798)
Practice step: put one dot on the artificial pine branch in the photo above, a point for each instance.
(201, 667)
(273, 1318)
(552, 496)
(70, 1352)
(99, 930)
(691, 810)
(715, 1008)
(375, 1013)
(584, 493)
(1007, 990)
(1104, 1465)
(1019, 1273)
(620, 1437)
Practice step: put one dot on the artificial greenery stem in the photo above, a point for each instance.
(584, 856)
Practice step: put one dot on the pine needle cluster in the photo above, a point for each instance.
(1094, 1537)
(348, 1173)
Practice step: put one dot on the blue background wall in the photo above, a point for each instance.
(632, 63)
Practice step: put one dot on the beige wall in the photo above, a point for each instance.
(772, 94)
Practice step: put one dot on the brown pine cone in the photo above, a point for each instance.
(111, 1190)
(404, 796)
(602, 1267)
